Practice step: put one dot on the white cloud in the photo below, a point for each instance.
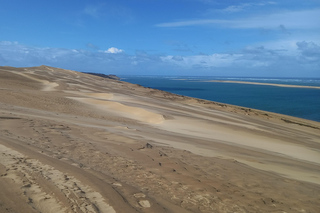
(105, 10)
(206, 61)
(113, 50)
(235, 8)
(291, 19)
(304, 19)
(8, 43)
(291, 56)
(195, 23)
(243, 7)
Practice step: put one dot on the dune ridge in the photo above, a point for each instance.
(74, 142)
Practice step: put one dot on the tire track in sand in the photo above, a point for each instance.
(33, 177)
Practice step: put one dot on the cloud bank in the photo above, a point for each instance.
(250, 61)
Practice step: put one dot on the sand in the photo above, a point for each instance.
(74, 142)
(265, 84)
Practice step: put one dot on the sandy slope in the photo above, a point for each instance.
(73, 142)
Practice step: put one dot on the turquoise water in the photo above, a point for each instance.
(298, 102)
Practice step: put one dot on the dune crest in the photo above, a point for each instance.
(47, 85)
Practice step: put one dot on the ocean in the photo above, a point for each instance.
(298, 102)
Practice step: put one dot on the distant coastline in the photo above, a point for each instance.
(266, 84)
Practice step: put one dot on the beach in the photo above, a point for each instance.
(75, 142)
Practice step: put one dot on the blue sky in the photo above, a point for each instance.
(279, 38)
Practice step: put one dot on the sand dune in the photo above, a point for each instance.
(73, 142)
(47, 86)
(123, 110)
(104, 96)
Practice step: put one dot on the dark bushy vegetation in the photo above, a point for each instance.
(114, 77)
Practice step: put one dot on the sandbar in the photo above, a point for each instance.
(265, 84)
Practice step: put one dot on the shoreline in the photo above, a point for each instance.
(265, 84)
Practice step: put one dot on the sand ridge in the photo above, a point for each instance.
(90, 144)
(47, 86)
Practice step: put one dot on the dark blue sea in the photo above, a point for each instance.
(298, 102)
